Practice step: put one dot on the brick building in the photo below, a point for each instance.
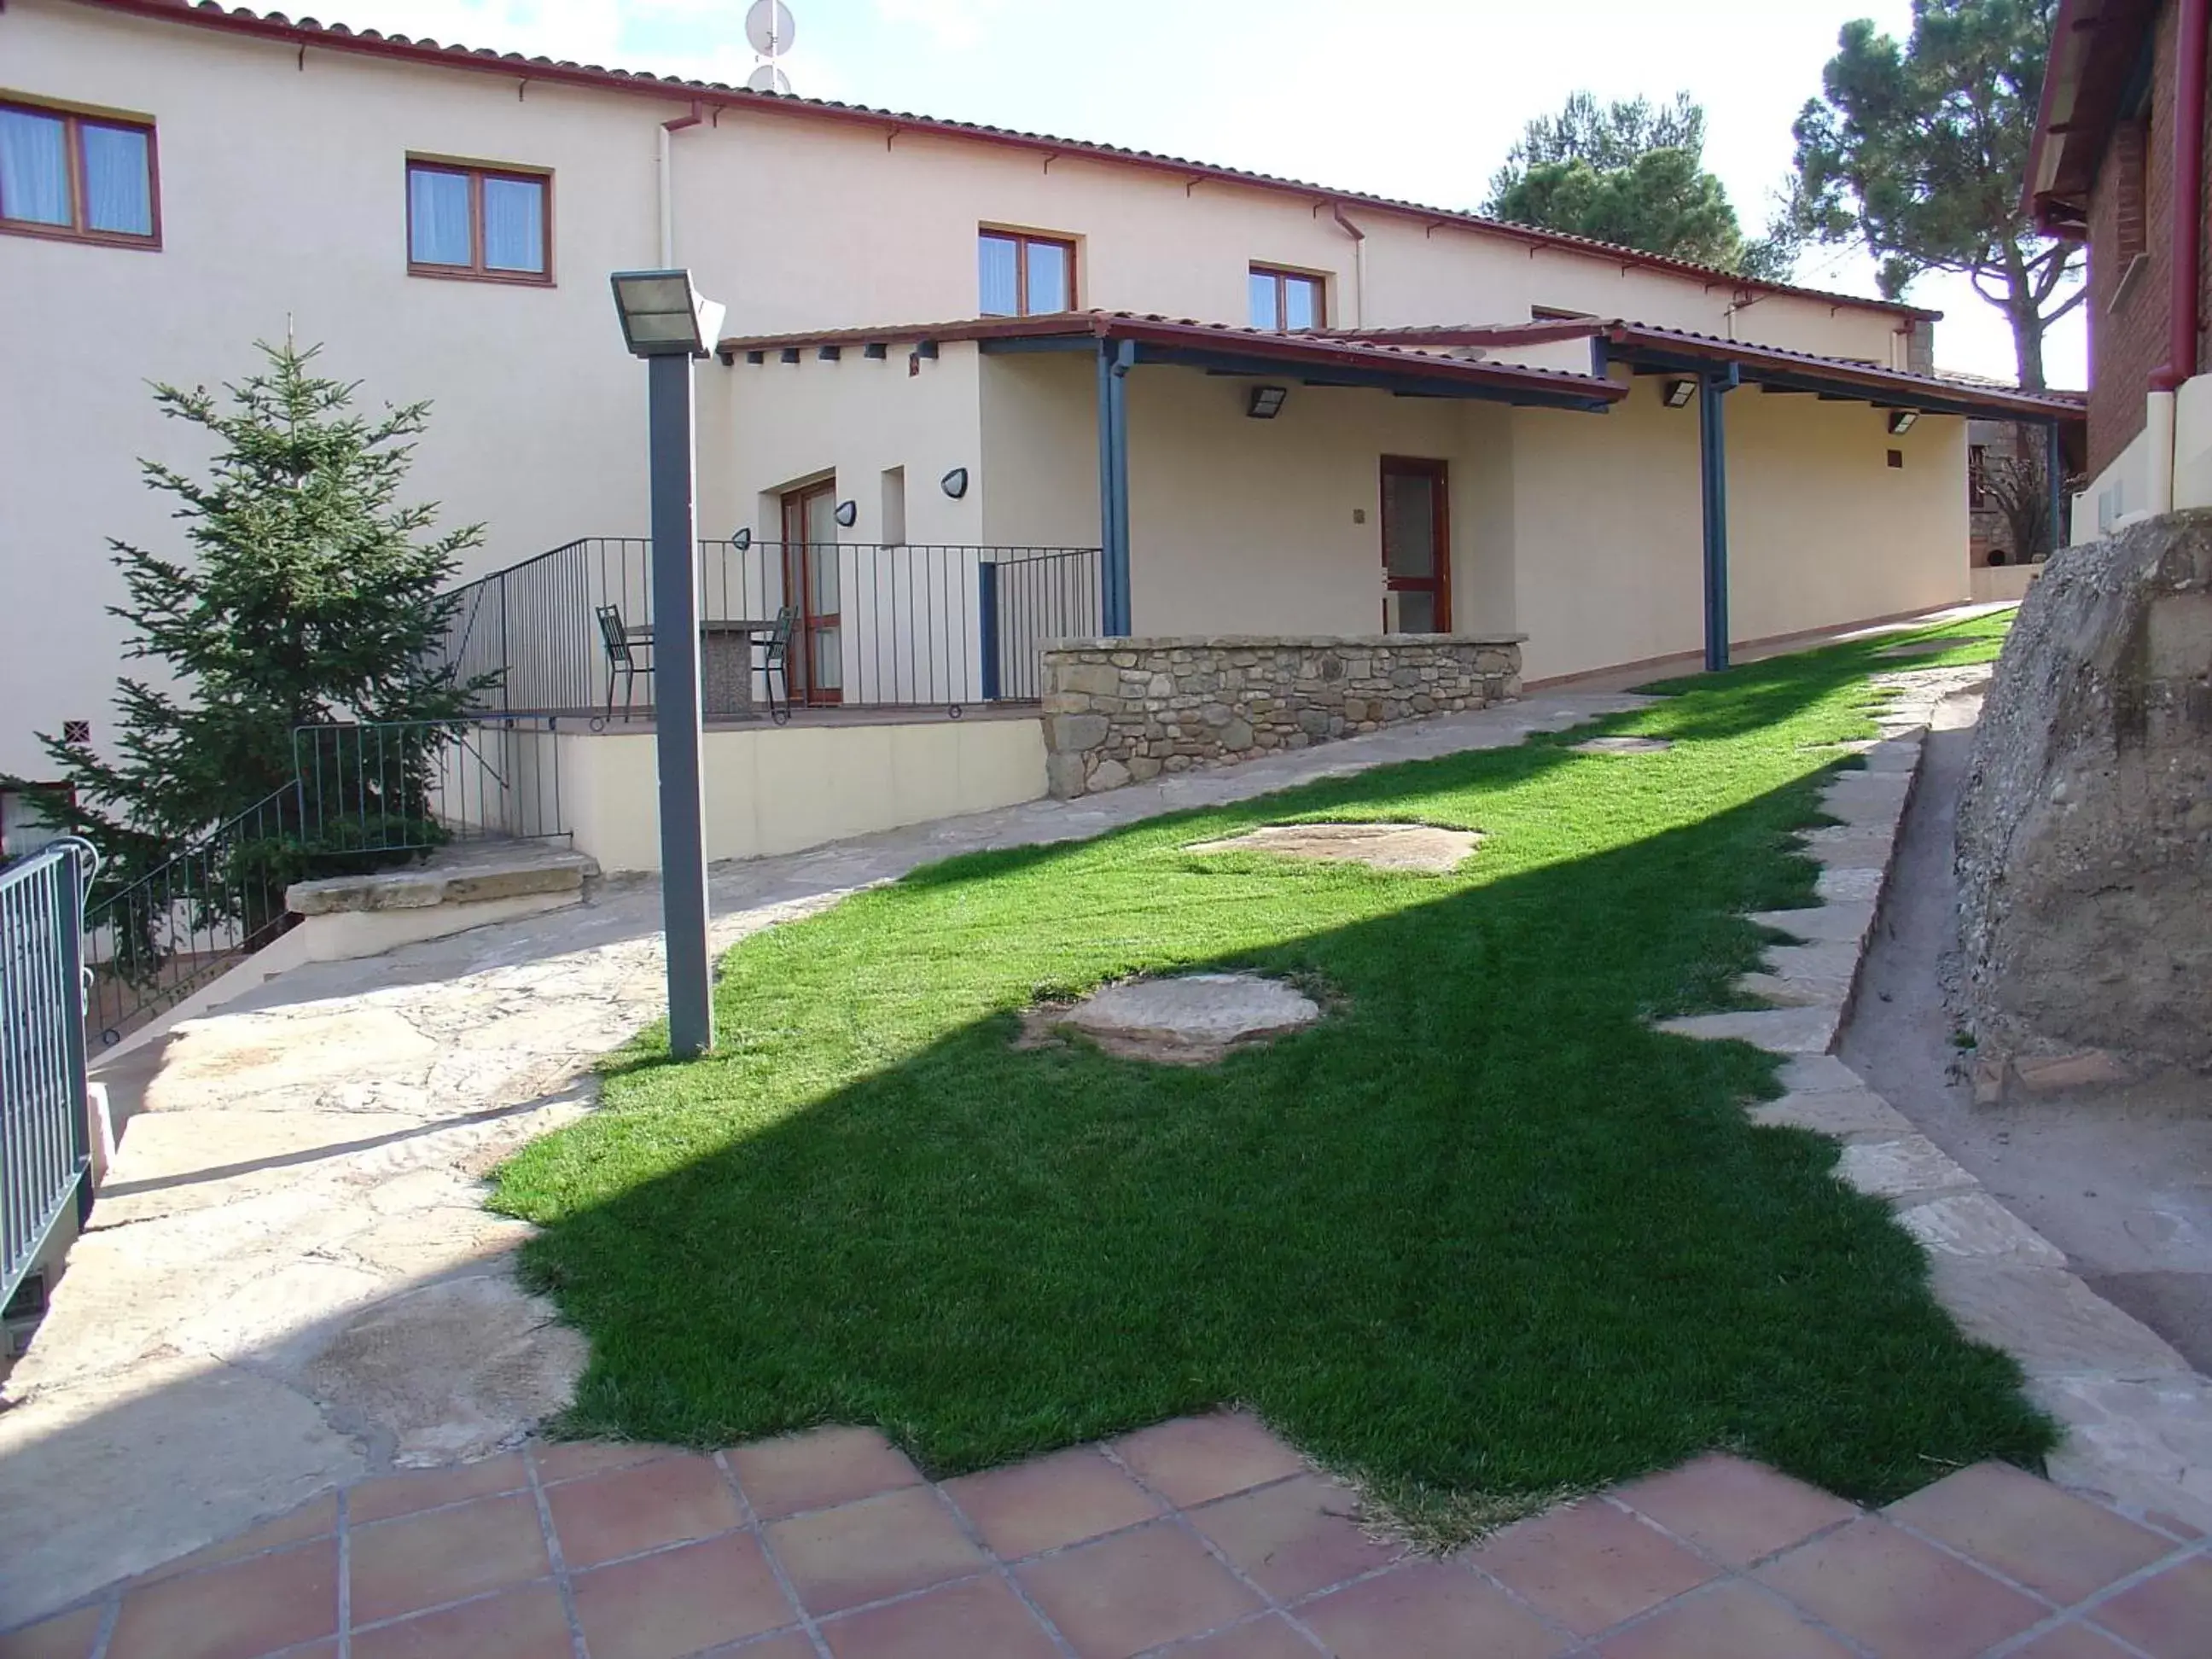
(2119, 162)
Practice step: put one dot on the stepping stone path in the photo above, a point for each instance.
(1623, 746)
(1418, 847)
(1191, 1020)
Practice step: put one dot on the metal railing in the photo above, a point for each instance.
(153, 941)
(913, 625)
(409, 785)
(46, 1142)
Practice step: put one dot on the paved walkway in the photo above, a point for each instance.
(290, 1283)
(1205, 1538)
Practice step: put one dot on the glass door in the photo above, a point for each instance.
(815, 658)
(1416, 548)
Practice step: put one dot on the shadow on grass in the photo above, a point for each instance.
(1483, 1230)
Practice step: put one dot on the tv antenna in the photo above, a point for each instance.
(769, 27)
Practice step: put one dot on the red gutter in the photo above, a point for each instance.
(2186, 212)
(336, 38)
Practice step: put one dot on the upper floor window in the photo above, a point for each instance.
(1024, 275)
(493, 223)
(1285, 299)
(72, 173)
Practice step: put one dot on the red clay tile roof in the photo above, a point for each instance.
(305, 32)
(1318, 350)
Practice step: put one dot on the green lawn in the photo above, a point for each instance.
(1480, 1235)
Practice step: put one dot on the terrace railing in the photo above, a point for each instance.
(46, 1145)
(914, 625)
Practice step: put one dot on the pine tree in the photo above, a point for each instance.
(312, 596)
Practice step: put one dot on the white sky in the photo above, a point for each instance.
(1417, 99)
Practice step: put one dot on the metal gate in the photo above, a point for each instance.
(45, 1150)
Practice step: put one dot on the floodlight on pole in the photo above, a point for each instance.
(665, 321)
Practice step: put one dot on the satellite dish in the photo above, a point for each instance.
(768, 78)
(769, 27)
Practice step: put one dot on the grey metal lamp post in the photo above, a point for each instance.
(666, 322)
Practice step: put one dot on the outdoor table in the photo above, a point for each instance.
(725, 666)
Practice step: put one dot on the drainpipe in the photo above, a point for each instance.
(1358, 264)
(2186, 268)
(668, 131)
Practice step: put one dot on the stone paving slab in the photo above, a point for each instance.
(1203, 1536)
(292, 1243)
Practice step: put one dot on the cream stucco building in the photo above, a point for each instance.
(1005, 387)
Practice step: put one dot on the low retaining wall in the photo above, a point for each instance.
(1121, 710)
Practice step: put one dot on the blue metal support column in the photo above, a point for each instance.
(1116, 359)
(676, 715)
(1712, 458)
(2054, 478)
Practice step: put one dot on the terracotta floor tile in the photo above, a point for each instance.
(1135, 1590)
(317, 1518)
(960, 1621)
(1190, 1459)
(1735, 1511)
(421, 1561)
(1294, 1538)
(1270, 1637)
(571, 1460)
(2065, 1547)
(2174, 1524)
(69, 1637)
(2072, 1642)
(1048, 1502)
(669, 1500)
(1904, 1599)
(881, 1546)
(230, 1611)
(1427, 1610)
(1731, 1621)
(2169, 1615)
(424, 1489)
(1589, 1566)
(815, 1470)
(524, 1623)
(677, 1601)
(798, 1645)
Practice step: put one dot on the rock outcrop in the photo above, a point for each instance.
(2085, 829)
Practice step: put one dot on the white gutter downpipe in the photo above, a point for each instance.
(667, 178)
(1358, 264)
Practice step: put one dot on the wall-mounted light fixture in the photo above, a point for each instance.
(847, 512)
(741, 539)
(1266, 401)
(955, 482)
(1901, 420)
(1678, 393)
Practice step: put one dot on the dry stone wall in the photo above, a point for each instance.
(1121, 710)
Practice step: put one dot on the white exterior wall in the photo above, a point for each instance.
(282, 184)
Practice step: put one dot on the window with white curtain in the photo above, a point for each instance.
(1019, 274)
(77, 175)
(490, 223)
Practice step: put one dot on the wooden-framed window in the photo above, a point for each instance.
(77, 174)
(1977, 475)
(1285, 299)
(1020, 275)
(488, 224)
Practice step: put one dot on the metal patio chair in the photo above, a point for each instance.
(623, 644)
(774, 664)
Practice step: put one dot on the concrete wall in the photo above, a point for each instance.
(778, 789)
(1608, 526)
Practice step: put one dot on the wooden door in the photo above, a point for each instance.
(816, 655)
(1416, 547)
